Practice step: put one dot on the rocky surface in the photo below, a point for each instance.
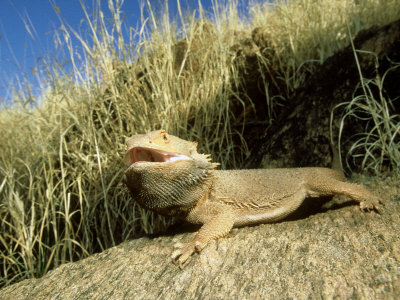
(321, 252)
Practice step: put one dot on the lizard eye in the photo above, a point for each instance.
(165, 137)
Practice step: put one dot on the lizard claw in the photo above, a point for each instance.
(369, 205)
(182, 252)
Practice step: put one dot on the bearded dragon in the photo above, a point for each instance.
(167, 175)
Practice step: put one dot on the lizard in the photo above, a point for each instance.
(166, 174)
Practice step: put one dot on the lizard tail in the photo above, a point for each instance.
(336, 160)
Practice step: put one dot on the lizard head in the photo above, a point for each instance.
(157, 147)
(165, 173)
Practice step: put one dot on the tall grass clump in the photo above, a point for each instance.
(377, 149)
(61, 158)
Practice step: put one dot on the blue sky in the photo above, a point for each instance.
(27, 31)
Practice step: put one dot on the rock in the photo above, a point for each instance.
(300, 136)
(334, 252)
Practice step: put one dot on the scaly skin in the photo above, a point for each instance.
(167, 175)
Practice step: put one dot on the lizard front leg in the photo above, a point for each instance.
(217, 221)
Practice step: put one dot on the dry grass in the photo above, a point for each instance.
(306, 32)
(61, 161)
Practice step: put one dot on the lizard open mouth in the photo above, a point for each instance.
(142, 154)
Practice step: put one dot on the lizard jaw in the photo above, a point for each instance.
(138, 155)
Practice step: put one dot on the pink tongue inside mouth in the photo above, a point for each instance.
(139, 154)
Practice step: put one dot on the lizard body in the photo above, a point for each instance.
(167, 175)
